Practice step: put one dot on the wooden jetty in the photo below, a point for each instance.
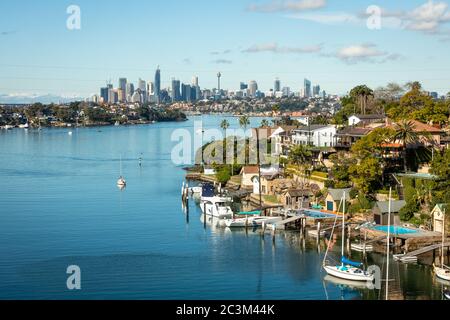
(413, 255)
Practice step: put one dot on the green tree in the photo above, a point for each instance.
(366, 174)
(440, 166)
(300, 155)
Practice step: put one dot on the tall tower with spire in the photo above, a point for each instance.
(157, 87)
(219, 75)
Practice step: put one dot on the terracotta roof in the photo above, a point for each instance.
(250, 170)
(422, 127)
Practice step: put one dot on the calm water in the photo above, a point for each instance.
(59, 206)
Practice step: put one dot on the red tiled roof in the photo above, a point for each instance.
(250, 170)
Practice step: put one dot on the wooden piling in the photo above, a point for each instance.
(318, 232)
(204, 215)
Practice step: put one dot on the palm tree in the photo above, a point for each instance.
(244, 122)
(224, 125)
(275, 111)
(406, 135)
(361, 94)
(414, 86)
(265, 123)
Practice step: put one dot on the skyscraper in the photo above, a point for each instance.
(104, 94)
(195, 81)
(277, 86)
(307, 89)
(158, 85)
(129, 91)
(316, 90)
(175, 92)
(123, 87)
(253, 87)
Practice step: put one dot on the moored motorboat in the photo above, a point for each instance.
(216, 207)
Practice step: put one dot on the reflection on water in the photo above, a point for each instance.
(61, 206)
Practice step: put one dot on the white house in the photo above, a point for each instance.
(315, 135)
(281, 139)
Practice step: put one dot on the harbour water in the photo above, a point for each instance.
(60, 206)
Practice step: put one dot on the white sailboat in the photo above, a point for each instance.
(442, 272)
(121, 182)
(348, 269)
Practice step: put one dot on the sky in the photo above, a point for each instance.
(327, 41)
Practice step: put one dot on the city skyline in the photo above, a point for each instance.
(287, 42)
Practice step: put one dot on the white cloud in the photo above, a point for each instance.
(290, 5)
(328, 18)
(274, 48)
(428, 17)
(363, 53)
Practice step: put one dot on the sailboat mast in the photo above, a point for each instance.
(388, 244)
(443, 240)
(343, 227)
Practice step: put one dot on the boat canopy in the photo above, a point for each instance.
(351, 263)
(250, 213)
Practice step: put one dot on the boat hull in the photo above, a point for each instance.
(442, 273)
(349, 273)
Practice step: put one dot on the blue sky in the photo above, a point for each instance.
(326, 41)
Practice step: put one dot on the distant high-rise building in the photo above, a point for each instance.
(112, 96)
(130, 90)
(157, 90)
(195, 81)
(121, 95)
(186, 92)
(277, 86)
(175, 90)
(243, 86)
(316, 90)
(307, 89)
(104, 94)
(253, 87)
(286, 91)
(123, 86)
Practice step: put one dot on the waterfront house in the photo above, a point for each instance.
(281, 139)
(334, 198)
(438, 217)
(381, 212)
(297, 198)
(248, 173)
(315, 135)
(363, 120)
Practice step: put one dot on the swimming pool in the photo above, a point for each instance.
(396, 230)
(317, 214)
